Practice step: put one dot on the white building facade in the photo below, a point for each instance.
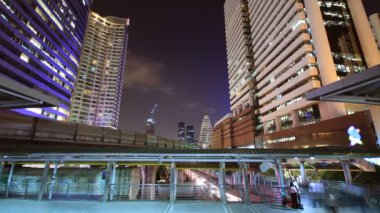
(205, 135)
(279, 50)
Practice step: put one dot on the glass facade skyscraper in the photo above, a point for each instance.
(99, 86)
(40, 47)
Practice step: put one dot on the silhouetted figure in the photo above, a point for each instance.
(294, 195)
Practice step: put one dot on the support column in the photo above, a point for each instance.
(280, 176)
(247, 194)
(347, 172)
(107, 182)
(326, 64)
(51, 191)
(295, 118)
(375, 115)
(277, 121)
(222, 183)
(173, 182)
(112, 182)
(2, 164)
(43, 181)
(10, 176)
(364, 32)
(303, 173)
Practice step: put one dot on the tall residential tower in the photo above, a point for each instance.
(40, 44)
(97, 97)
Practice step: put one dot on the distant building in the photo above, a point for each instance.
(97, 97)
(190, 136)
(374, 20)
(277, 52)
(181, 131)
(41, 43)
(150, 126)
(205, 135)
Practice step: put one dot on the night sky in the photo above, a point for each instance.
(177, 59)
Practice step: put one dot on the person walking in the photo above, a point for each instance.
(295, 183)
(294, 195)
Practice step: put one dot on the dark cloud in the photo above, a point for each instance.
(145, 75)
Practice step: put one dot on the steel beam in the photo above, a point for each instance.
(222, 183)
(347, 172)
(2, 164)
(173, 182)
(280, 177)
(10, 177)
(247, 194)
(107, 182)
(43, 181)
(303, 173)
(52, 183)
(113, 178)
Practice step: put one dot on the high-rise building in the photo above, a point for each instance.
(181, 130)
(277, 51)
(374, 20)
(206, 131)
(97, 97)
(40, 43)
(190, 136)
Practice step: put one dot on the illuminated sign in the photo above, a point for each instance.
(354, 136)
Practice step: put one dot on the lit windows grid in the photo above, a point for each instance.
(98, 98)
(44, 57)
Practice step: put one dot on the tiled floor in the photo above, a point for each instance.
(31, 206)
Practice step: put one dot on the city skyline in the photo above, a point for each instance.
(166, 50)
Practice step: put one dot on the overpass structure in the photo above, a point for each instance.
(27, 133)
(26, 140)
(246, 160)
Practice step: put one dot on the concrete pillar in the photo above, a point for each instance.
(247, 194)
(173, 182)
(2, 164)
(295, 118)
(364, 32)
(112, 181)
(280, 176)
(347, 172)
(277, 121)
(326, 64)
(375, 115)
(148, 180)
(303, 173)
(10, 176)
(43, 181)
(53, 180)
(222, 183)
(106, 191)
(182, 176)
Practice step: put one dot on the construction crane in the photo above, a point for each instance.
(150, 123)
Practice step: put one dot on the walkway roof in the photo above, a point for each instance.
(360, 88)
(15, 95)
(188, 155)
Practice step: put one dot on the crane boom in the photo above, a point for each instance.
(154, 109)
